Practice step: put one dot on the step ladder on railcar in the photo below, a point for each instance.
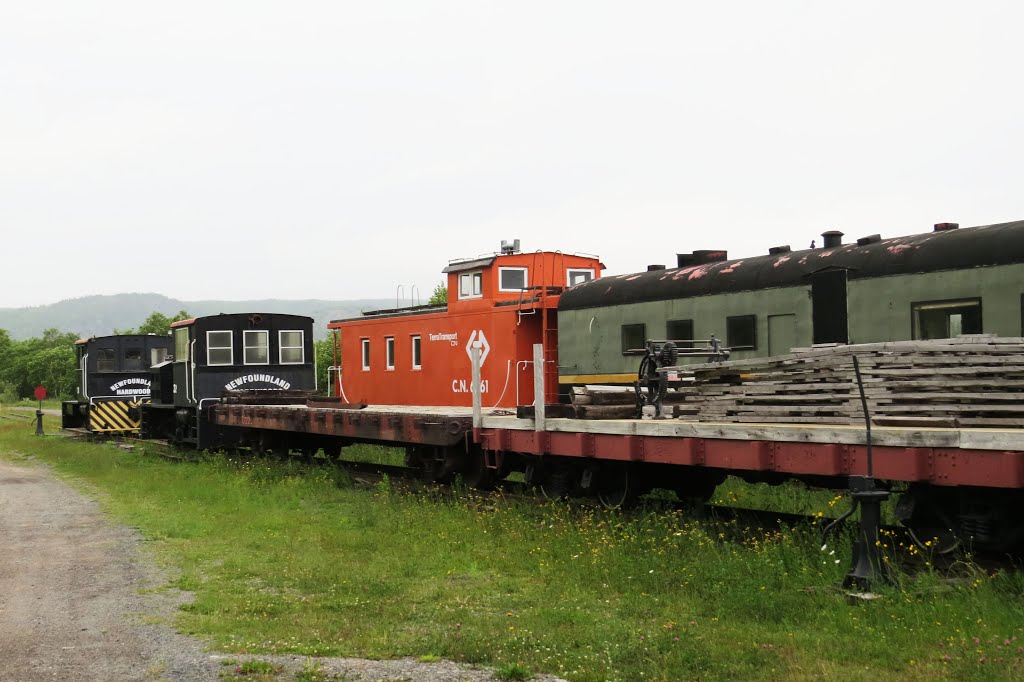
(539, 296)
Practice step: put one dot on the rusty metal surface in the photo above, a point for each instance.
(383, 426)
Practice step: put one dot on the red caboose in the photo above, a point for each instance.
(421, 355)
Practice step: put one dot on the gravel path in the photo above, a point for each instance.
(77, 602)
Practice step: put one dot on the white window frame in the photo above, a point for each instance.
(574, 271)
(230, 347)
(389, 353)
(476, 284)
(281, 347)
(417, 343)
(245, 345)
(364, 345)
(510, 268)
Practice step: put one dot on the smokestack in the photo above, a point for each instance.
(943, 227)
(832, 239)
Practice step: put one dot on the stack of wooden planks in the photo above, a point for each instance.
(973, 381)
(966, 381)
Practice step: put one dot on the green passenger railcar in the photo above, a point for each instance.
(940, 284)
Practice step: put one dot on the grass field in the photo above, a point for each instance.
(287, 559)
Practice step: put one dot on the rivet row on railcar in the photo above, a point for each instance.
(113, 382)
(939, 284)
(249, 357)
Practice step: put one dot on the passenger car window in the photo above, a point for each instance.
(946, 319)
(741, 332)
(634, 337)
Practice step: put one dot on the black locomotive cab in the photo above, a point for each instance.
(254, 354)
(113, 381)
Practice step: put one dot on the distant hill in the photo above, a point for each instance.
(101, 315)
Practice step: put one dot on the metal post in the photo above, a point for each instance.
(39, 419)
(474, 356)
(538, 386)
(868, 565)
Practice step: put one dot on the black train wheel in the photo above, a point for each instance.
(617, 485)
(557, 481)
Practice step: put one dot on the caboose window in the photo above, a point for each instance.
(741, 332)
(416, 357)
(106, 360)
(366, 353)
(471, 285)
(389, 351)
(257, 346)
(574, 276)
(634, 337)
(219, 349)
(512, 279)
(946, 319)
(132, 360)
(291, 347)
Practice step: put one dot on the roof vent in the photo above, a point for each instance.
(509, 248)
(776, 250)
(652, 268)
(703, 257)
(831, 239)
(870, 239)
(943, 227)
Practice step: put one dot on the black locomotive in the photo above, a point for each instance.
(266, 355)
(113, 382)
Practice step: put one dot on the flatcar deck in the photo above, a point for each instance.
(981, 457)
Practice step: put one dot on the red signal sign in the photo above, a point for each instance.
(40, 393)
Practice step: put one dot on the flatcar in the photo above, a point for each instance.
(113, 382)
(265, 354)
(505, 302)
(938, 284)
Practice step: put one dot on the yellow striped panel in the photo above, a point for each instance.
(111, 416)
(598, 378)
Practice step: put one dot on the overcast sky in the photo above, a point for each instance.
(337, 150)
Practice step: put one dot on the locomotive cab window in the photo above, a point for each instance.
(512, 279)
(366, 353)
(741, 332)
(106, 360)
(389, 352)
(946, 319)
(290, 347)
(416, 356)
(574, 276)
(132, 360)
(157, 355)
(181, 344)
(634, 336)
(680, 330)
(218, 348)
(257, 346)
(471, 285)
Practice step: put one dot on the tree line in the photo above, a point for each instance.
(49, 360)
